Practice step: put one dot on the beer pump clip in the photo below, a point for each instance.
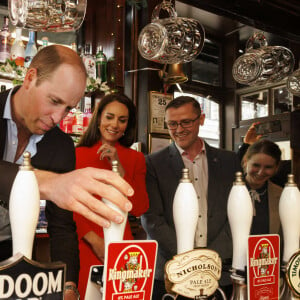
(188, 274)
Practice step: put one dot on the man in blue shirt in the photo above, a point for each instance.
(54, 84)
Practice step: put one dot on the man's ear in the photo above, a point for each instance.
(30, 77)
(202, 118)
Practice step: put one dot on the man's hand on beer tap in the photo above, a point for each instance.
(78, 191)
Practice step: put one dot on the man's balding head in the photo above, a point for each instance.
(48, 59)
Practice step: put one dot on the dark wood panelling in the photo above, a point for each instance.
(104, 25)
(119, 41)
(296, 166)
(89, 22)
(277, 16)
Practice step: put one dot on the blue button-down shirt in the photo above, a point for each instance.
(12, 136)
(9, 155)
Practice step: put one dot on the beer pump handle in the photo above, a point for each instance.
(289, 210)
(115, 232)
(24, 208)
(185, 213)
(240, 213)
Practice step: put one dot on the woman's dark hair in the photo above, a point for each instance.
(263, 146)
(93, 135)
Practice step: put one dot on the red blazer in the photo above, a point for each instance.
(134, 165)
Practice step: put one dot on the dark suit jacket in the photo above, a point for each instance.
(55, 152)
(164, 170)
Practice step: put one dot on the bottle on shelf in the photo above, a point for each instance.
(101, 64)
(80, 51)
(4, 41)
(74, 47)
(77, 126)
(111, 76)
(17, 52)
(89, 61)
(45, 42)
(30, 50)
(87, 115)
(66, 123)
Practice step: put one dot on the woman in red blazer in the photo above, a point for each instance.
(110, 134)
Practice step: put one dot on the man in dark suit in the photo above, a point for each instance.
(54, 83)
(212, 171)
